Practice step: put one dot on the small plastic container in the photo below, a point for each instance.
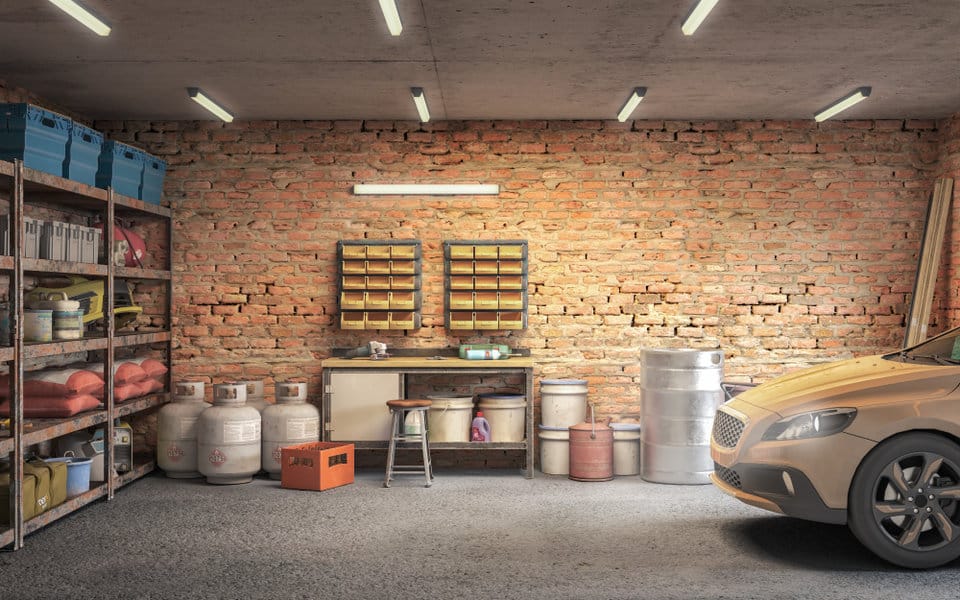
(479, 428)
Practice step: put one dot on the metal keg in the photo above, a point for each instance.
(177, 430)
(228, 437)
(255, 394)
(591, 451)
(680, 393)
(289, 422)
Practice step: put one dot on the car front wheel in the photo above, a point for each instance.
(904, 503)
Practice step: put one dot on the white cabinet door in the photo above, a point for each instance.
(358, 405)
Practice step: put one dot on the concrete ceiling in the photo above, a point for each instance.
(488, 59)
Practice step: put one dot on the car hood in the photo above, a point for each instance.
(853, 383)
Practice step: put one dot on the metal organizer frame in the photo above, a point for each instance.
(379, 284)
(485, 284)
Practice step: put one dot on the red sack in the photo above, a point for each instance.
(45, 407)
(58, 382)
(124, 372)
(154, 368)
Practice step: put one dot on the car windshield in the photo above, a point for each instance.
(943, 349)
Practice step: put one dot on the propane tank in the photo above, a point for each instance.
(177, 430)
(591, 450)
(255, 394)
(228, 437)
(288, 422)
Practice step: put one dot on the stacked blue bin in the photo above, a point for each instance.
(34, 135)
(83, 154)
(120, 167)
(154, 170)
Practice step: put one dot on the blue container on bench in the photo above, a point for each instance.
(120, 167)
(83, 154)
(78, 473)
(154, 171)
(35, 135)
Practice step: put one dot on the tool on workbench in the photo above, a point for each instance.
(486, 352)
(373, 351)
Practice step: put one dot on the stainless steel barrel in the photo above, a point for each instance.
(680, 392)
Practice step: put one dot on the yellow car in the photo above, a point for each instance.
(872, 442)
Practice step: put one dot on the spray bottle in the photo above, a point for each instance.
(480, 428)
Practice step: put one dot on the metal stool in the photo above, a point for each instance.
(399, 409)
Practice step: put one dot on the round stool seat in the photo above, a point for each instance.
(411, 403)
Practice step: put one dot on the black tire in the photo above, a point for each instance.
(904, 503)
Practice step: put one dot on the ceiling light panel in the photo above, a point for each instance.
(198, 96)
(421, 103)
(631, 104)
(697, 15)
(426, 189)
(391, 16)
(83, 15)
(858, 95)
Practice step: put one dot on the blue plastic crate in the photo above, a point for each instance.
(83, 154)
(35, 135)
(154, 170)
(120, 167)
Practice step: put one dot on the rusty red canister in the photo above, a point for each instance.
(591, 451)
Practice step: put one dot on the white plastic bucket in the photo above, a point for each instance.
(506, 414)
(554, 450)
(626, 448)
(449, 419)
(37, 325)
(563, 402)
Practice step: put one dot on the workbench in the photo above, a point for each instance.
(405, 366)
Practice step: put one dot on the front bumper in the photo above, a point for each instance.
(791, 494)
(807, 479)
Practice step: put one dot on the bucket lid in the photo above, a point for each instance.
(551, 428)
(625, 426)
(54, 301)
(601, 425)
(563, 382)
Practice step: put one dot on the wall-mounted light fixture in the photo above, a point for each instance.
(858, 95)
(198, 96)
(631, 104)
(83, 14)
(697, 15)
(426, 189)
(421, 102)
(391, 16)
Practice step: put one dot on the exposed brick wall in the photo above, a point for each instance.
(950, 274)
(784, 243)
(9, 93)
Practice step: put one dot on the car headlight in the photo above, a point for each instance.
(818, 423)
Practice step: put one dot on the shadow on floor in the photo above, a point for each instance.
(805, 544)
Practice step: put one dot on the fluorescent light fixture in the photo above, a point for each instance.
(697, 15)
(390, 14)
(205, 101)
(858, 95)
(631, 104)
(426, 189)
(78, 12)
(421, 101)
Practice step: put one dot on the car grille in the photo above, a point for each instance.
(726, 429)
(728, 476)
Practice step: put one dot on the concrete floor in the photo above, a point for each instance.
(489, 534)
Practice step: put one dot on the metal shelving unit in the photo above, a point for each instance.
(22, 186)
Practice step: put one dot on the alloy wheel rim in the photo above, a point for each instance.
(916, 501)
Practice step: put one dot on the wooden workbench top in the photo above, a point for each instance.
(423, 362)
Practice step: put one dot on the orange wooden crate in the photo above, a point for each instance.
(316, 465)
